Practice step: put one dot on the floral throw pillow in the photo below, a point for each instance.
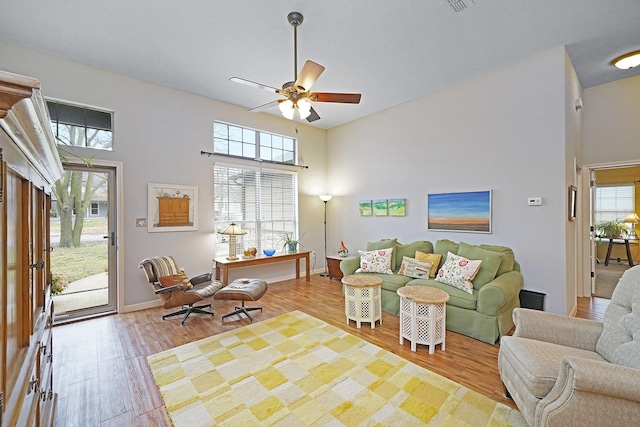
(378, 261)
(176, 279)
(458, 272)
(411, 267)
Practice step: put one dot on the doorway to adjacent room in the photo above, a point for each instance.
(615, 200)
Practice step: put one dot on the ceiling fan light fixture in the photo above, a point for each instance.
(626, 61)
(304, 105)
(285, 106)
(304, 113)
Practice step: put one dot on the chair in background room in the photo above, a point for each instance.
(175, 289)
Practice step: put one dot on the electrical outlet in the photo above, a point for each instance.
(141, 222)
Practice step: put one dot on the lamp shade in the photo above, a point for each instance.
(632, 217)
(233, 230)
(325, 197)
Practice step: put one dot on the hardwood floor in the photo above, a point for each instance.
(102, 377)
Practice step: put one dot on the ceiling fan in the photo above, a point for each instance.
(297, 95)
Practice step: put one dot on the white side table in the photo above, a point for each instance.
(362, 301)
(423, 316)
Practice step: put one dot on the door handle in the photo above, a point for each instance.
(111, 237)
(39, 265)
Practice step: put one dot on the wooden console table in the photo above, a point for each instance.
(223, 265)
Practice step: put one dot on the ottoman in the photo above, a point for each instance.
(242, 290)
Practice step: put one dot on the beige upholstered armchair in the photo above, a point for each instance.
(564, 371)
(176, 290)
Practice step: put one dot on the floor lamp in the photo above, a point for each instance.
(325, 198)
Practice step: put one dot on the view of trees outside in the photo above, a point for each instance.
(79, 261)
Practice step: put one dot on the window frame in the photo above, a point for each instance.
(280, 143)
(56, 123)
(613, 214)
(262, 232)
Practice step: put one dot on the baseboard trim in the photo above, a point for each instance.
(574, 311)
(141, 306)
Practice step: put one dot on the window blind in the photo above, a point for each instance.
(614, 202)
(263, 202)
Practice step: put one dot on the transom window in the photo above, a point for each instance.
(80, 126)
(231, 140)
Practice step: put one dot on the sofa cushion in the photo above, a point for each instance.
(619, 342)
(445, 246)
(538, 363)
(508, 258)
(458, 272)
(392, 282)
(377, 261)
(383, 244)
(457, 298)
(410, 251)
(434, 259)
(411, 267)
(490, 263)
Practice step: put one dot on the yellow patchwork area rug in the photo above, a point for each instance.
(296, 370)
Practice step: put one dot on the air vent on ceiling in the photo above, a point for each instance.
(458, 5)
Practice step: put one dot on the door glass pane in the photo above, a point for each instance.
(79, 224)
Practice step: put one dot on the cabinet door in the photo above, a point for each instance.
(17, 335)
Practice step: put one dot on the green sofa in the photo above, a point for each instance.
(486, 314)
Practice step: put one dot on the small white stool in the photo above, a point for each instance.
(423, 316)
(362, 300)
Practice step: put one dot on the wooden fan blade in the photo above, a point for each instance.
(263, 107)
(308, 75)
(254, 84)
(313, 116)
(346, 98)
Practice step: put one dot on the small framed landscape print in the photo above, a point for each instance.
(172, 207)
(365, 208)
(397, 207)
(380, 207)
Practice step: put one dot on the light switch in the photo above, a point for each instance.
(534, 201)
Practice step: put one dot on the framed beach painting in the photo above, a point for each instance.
(172, 207)
(380, 207)
(466, 212)
(397, 207)
(365, 208)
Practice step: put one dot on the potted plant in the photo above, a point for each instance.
(289, 244)
(613, 229)
(58, 285)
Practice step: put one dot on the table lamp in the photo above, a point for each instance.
(632, 219)
(232, 231)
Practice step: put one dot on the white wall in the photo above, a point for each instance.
(159, 133)
(612, 122)
(504, 131)
(573, 158)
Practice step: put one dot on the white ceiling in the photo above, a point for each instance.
(390, 51)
